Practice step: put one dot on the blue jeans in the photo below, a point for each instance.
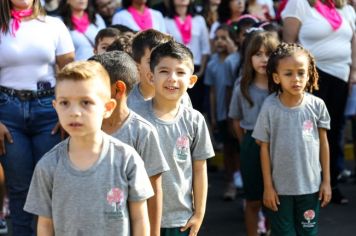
(30, 124)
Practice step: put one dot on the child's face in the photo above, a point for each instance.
(292, 74)
(259, 61)
(79, 5)
(171, 79)
(81, 106)
(103, 44)
(220, 42)
(237, 6)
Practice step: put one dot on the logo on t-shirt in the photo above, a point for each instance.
(182, 147)
(308, 128)
(115, 198)
(309, 215)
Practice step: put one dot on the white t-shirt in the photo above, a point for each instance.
(199, 43)
(332, 49)
(84, 48)
(123, 17)
(31, 55)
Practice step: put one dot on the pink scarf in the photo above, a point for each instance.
(144, 20)
(185, 28)
(330, 13)
(17, 16)
(81, 24)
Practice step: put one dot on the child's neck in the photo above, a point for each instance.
(290, 100)
(83, 152)
(117, 118)
(165, 110)
(146, 90)
(261, 81)
(222, 56)
(78, 14)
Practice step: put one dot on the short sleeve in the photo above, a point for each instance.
(324, 118)
(204, 36)
(209, 75)
(139, 184)
(235, 111)
(39, 197)
(64, 43)
(161, 22)
(201, 147)
(99, 22)
(262, 130)
(297, 9)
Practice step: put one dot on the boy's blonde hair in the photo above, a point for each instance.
(86, 70)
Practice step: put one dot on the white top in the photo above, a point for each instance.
(199, 43)
(332, 49)
(123, 17)
(31, 55)
(84, 48)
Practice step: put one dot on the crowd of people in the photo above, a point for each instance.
(111, 110)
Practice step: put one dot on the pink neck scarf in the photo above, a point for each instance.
(143, 20)
(185, 28)
(81, 24)
(17, 16)
(330, 13)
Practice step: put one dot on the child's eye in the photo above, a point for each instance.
(63, 103)
(181, 72)
(163, 71)
(86, 102)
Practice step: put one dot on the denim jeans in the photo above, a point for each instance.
(30, 124)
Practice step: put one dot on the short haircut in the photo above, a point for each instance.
(121, 43)
(171, 49)
(86, 70)
(123, 28)
(107, 32)
(120, 66)
(147, 39)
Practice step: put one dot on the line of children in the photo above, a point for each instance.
(132, 129)
(184, 139)
(91, 183)
(245, 105)
(291, 129)
(216, 80)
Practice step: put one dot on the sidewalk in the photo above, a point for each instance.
(226, 218)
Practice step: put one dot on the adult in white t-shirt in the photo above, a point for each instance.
(144, 14)
(83, 24)
(29, 55)
(331, 41)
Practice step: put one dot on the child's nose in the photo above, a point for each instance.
(75, 111)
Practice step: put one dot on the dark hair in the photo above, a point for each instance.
(255, 41)
(224, 11)
(147, 39)
(107, 32)
(120, 66)
(171, 11)
(123, 28)
(171, 49)
(121, 43)
(270, 26)
(286, 50)
(5, 13)
(229, 30)
(126, 3)
(66, 13)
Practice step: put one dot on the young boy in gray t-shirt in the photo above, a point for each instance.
(130, 128)
(91, 183)
(184, 139)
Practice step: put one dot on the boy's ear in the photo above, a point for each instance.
(192, 80)
(54, 103)
(120, 88)
(149, 77)
(95, 51)
(276, 78)
(109, 107)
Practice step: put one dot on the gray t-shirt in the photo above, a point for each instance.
(135, 99)
(293, 137)
(93, 201)
(241, 110)
(182, 140)
(232, 62)
(141, 135)
(215, 75)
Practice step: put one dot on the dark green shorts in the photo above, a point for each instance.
(250, 167)
(296, 215)
(173, 232)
